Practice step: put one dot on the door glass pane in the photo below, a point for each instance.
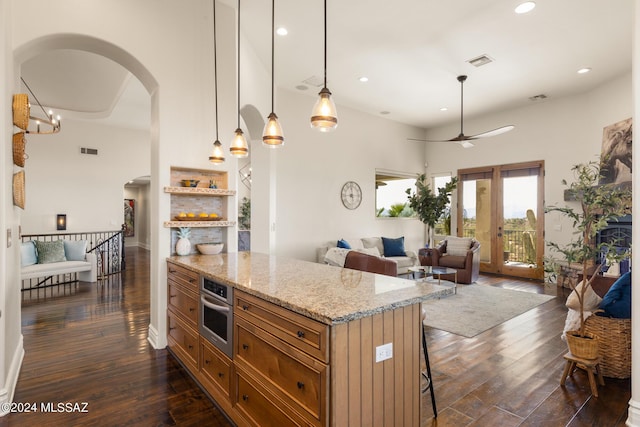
(476, 214)
(520, 196)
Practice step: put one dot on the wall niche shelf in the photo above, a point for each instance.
(200, 200)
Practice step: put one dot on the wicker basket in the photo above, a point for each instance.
(18, 189)
(21, 110)
(19, 143)
(614, 343)
(584, 347)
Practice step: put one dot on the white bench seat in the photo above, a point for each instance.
(88, 269)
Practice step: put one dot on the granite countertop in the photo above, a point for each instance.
(328, 294)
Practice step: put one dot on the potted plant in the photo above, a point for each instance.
(430, 206)
(597, 205)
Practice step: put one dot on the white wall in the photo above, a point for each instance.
(87, 188)
(312, 167)
(562, 132)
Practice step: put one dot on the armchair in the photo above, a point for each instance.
(460, 253)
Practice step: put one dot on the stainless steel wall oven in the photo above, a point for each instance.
(216, 314)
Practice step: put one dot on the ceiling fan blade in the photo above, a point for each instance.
(494, 132)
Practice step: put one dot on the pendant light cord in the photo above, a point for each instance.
(273, 29)
(325, 44)
(461, 106)
(215, 65)
(238, 64)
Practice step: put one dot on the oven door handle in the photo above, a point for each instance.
(212, 306)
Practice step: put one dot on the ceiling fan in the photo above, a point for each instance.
(462, 138)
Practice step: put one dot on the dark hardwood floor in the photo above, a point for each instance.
(88, 343)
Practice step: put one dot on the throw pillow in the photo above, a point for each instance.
(372, 242)
(617, 301)
(28, 254)
(458, 246)
(50, 251)
(343, 244)
(591, 299)
(393, 247)
(75, 250)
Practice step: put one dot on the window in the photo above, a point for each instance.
(391, 194)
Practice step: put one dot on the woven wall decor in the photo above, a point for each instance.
(19, 144)
(18, 189)
(21, 110)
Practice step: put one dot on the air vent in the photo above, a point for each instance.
(538, 97)
(480, 60)
(92, 151)
(314, 81)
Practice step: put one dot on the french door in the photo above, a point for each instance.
(502, 207)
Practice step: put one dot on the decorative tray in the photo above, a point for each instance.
(196, 218)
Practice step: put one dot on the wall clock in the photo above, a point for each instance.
(351, 195)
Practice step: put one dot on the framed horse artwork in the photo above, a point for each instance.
(616, 153)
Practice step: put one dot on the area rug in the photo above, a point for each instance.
(477, 308)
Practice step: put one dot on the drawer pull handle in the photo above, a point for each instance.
(191, 310)
(245, 307)
(245, 397)
(300, 385)
(171, 328)
(206, 362)
(172, 296)
(220, 374)
(300, 334)
(172, 271)
(190, 347)
(192, 280)
(245, 346)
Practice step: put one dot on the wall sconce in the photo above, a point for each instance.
(61, 221)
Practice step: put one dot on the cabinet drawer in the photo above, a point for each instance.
(183, 340)
(215, 366)
(183, 303)
(298, 378)
(258, 406)
(301, 332)
(183, 276)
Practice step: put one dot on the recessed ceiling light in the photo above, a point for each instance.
(281, 31)
(384, 113)
(364, 79)
(584, 70)
(444, 109)
(525, 7)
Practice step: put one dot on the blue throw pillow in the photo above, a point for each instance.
(393, 247)
(343, 244)
(617, 301)
(75, 250)
(28, 254)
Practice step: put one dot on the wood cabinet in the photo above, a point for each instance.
(280, 357)
(182, 314)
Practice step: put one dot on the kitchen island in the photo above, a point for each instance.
(312, 344)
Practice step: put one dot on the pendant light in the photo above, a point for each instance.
(217, 155)
(239, 147)
(324, 116)
(272, 135)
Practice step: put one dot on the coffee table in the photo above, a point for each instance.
(435, 272)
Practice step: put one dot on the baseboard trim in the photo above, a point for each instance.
(7, 392)
(633, 419)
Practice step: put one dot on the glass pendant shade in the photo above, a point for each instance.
(324, 116)
(217, 156)
(272, 135)
(239, 147)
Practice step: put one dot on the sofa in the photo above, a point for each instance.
(334, 252)
(371, 263)
(44, 259)
(460, 253)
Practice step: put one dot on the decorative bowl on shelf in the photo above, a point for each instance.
(189, 182)
(210, 248)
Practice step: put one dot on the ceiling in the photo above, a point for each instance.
(410, 50)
